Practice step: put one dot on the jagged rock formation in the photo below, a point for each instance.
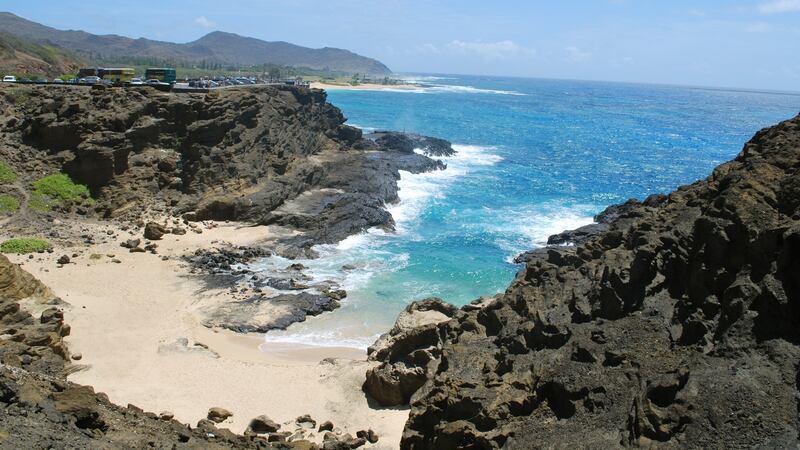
(676, 326)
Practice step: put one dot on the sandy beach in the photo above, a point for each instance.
(135, 325)
(366, 87)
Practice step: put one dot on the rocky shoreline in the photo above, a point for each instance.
(670, 322)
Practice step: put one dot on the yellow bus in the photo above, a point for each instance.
(118, 75)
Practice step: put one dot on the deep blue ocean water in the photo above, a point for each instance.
(535, 157)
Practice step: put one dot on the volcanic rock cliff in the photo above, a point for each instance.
(675, 323)
(232, 154)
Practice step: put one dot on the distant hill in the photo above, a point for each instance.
(217, 46)
(21, 56)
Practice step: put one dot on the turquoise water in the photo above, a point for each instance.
(535, 157)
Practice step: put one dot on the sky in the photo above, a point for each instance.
(744, 44)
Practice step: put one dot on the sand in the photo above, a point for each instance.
(136, 327)
(366, 87)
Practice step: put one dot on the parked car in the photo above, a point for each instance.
(58, 81)
(90, 80)
(9, 79)
(136, 82)
(153, 81)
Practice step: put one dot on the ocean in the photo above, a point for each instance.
(535, 157)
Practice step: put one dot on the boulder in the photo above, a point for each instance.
(408, 354)
(154, 231)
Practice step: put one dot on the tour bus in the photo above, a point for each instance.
(118, 75)
(162, 74)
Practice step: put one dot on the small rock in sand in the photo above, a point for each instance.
(77, 356)
(369, 435)
(218, 414)
(263, 424)
(130, 243)
(326, 426)
(306, 421)
(64, 259)
(154, 231)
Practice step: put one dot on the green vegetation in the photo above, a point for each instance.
(8, 204)
(24, 245)
(53, 190)
(6, 174)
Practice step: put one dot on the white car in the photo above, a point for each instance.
(136, 82)
(9, 79)
(58, 81)
(91, 80)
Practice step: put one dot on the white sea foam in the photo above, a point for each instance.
(534, 224)
(366, 252)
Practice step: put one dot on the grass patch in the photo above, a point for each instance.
(53, 190)
(6, 174)
(8, 204)
(24, 245)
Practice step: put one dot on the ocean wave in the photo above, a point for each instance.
(469, 90)
(416, 190)
(530, 227)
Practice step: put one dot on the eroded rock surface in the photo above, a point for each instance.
(675, 326)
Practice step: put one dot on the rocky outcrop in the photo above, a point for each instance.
(268, 154)
(407, 353)
(676, 325)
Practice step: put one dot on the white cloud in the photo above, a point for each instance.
(204, 22)
(574, 54)
(779, 6)
(758, 27)
(490, 50)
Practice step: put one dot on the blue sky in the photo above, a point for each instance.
(747, 43)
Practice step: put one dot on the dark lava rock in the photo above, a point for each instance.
(154, 231)
(63, 259)
(260, 314)
(326, 426)
(678, 326)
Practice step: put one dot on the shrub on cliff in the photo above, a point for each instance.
(53, 190)
(8, 204)
(24, 245)
(6, 174)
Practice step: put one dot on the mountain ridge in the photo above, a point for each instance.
(216, 46)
